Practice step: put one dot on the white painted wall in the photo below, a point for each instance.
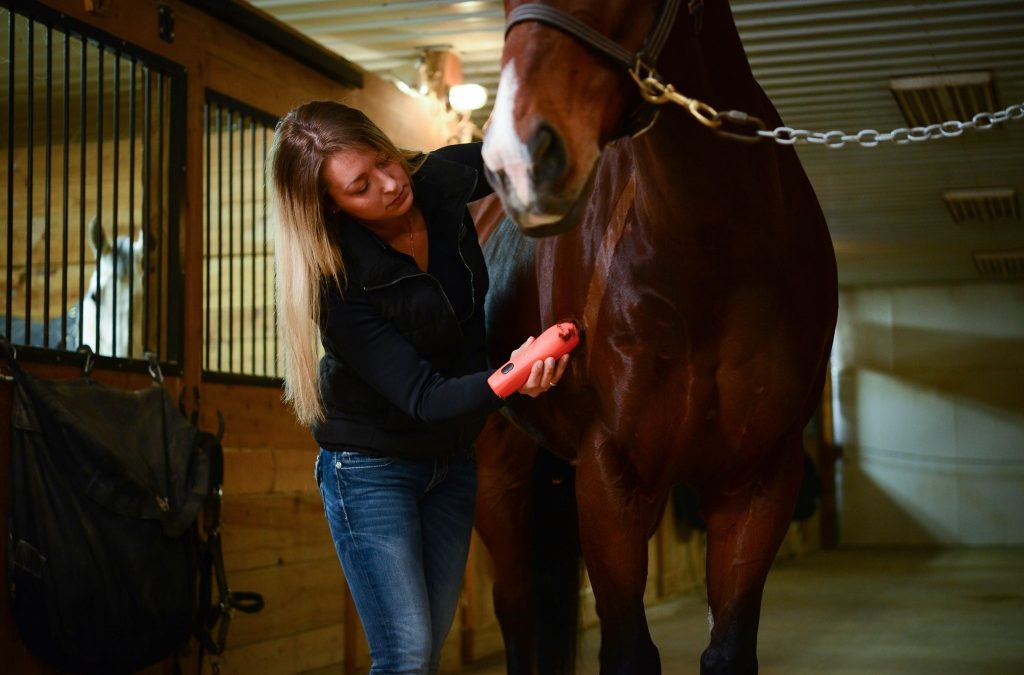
(928, 385)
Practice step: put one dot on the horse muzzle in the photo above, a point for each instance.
(544, 215)
(534, 192)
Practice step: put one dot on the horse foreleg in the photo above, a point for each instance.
(745, 529)
(616, 517)
(505, 458)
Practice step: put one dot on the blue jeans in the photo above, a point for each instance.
(401, 529)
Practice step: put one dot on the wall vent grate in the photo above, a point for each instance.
(1000, 265)
(987, 206)
(934, 99)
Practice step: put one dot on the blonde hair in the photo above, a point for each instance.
(306, 254)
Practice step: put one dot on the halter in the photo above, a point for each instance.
(647, 56)
(644, 117)
(641, 65)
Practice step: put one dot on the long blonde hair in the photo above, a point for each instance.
(306, 255)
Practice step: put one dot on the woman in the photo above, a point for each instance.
(377, 255)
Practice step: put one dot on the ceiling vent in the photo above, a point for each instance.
(1000, 265)
(934, 99)
(986, 206)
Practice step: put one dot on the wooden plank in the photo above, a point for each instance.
(299, 597)
(256, 417)
(248, 471)
(275, 530)
(191, 228)
(311, 651)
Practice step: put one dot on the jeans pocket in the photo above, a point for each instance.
(352, 460)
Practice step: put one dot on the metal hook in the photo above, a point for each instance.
(154, 367)
(742, 122)
(90, 359)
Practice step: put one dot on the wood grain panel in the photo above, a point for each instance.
(312, 651)
(275, 530)
(299, 597)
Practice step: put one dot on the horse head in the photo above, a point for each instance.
(560, 99)
(113, 301)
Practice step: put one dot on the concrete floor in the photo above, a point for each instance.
(864, 612)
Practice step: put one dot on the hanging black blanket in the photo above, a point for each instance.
(105, 488)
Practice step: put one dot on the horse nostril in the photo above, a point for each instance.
(548, 154)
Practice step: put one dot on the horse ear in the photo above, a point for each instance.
(97, 239)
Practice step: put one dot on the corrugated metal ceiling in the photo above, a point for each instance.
(827, 65)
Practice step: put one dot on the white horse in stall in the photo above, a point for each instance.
(116, 296)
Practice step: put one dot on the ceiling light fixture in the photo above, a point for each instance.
(466, 98)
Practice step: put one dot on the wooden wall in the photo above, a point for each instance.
(275, 537)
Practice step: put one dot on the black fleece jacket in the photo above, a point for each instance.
(405, 369)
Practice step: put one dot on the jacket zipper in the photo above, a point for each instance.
(472, 285)
(451, 310)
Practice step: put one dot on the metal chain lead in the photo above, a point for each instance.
(869, 138)
(740, 126)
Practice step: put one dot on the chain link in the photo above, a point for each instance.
(869, 138)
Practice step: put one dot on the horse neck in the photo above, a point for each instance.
(712, 65)
(679, 152)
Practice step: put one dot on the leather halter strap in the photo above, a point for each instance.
(648, 55)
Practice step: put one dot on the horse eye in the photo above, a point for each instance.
(94, 296)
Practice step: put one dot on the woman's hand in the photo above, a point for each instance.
(544, 374)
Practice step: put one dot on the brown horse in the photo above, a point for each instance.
(703, 275)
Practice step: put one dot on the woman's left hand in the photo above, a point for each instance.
(544, 374)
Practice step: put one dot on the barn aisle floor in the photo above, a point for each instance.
(864, 612)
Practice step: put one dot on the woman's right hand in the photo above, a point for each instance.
(544, 374)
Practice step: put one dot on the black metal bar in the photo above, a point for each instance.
(9, 300)
(147, 160)
(163, 243)
(64, 192)
(220, 237)
(99, 186)
(208, 282)
(82, 113)
(40, 355)
(48, 190)
(252, 262)
(266, 304)
(231, 240)
(248, 380)
(116, 214)
(133, 75)
(30, 173)
(177, 129)
(241, 244)
(276, 333)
